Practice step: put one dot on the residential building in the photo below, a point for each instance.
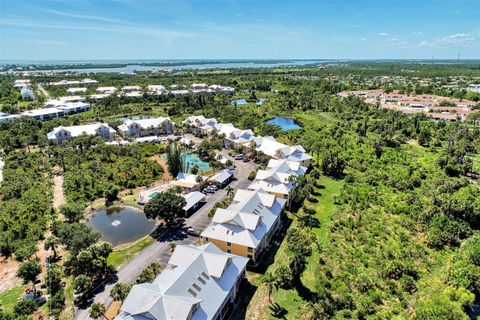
(19, 84)
(200, 124)
(147, 127)
(74, 107)
(233, 137)
(246, 227)
(271, 147)
(278, 178)
(106, 90)
(130, 88)
(76, 90)
(44, 114)
(155, 89)
(4, 117)
(199, 283)
(62, 133)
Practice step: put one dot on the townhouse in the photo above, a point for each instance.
(278, 178)
(246, 227)
(233, 137)
(200, 124)
(126, 89)
(199, 283)
(61, 133)
(147, 127)
(271, 147)
(21, 83)
(155, 89)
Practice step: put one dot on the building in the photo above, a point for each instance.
(76, 90)
(106, 90)
(27, 93)
(19, 84)
(278, 178)
(126, 89)
(187, 181)
(200, 124)
(233, 137)
(273, 148)
(194, 201)
(44, 114)
(4, 117)
(155, 89)
(147, 127)
(62, 133)
(74, 107)
(199, 283)
(222, 178)
(246, 227)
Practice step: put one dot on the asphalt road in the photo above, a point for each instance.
(158, 251)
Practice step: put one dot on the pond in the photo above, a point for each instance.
(286, 124)
(119, 225)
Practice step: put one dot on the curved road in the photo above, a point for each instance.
(158, 251)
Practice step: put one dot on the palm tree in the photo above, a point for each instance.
(229, 191)
(269, 281)
(97, 311)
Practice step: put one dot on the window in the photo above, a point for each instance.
(201, 280)
(250, 249)
(193, 293)
(250, 256)
(206, 239)
(229, 251)
(229, 244)
(196, 286)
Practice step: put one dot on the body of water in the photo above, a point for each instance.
(286, 124)
(167, 65)
(120, 225)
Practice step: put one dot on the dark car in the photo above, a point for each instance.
(246, 160)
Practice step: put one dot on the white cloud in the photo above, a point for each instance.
(417, 33)
(363, 39)
(44, 41)
(454, 40)
(383, 34)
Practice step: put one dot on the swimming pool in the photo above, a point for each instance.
(189, 160)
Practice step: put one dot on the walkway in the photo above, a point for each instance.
(58, 196)
(42, 89)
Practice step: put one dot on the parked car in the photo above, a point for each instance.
(209, 190)
(246, 159)
(193, 232)
(239, 157)
(212, 186)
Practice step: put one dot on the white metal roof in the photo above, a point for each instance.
(199, 277)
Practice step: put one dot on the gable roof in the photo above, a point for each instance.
(196, 277)
(247, 220)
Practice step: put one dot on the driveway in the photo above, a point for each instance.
(158, 251)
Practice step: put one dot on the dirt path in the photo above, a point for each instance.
(42, 89)
(58, 196)
(166, 175)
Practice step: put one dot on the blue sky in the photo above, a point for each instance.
(150, 29)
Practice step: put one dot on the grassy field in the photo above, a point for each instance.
(290, 304)
(118, 258)
(9, 298)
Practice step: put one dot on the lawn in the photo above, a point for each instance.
(289, 302)
(118, 258)
(9, 298)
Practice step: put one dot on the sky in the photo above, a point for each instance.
(228, 29)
